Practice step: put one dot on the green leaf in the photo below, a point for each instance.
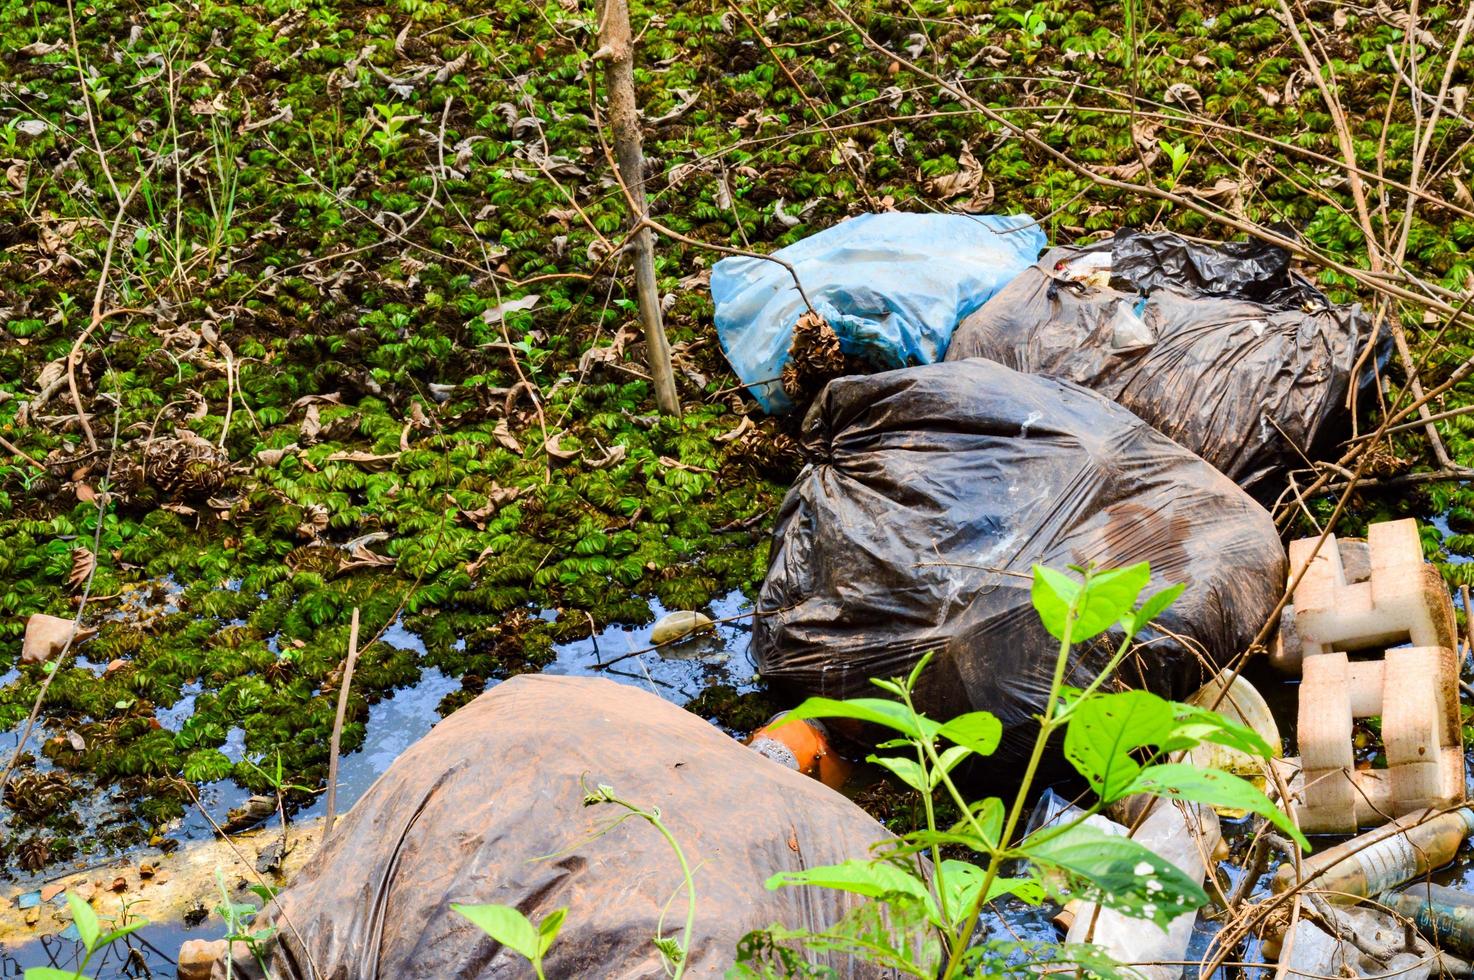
(120, 932)
(916, 671)
(1105, 729)
(670, 948)
(1202, 725)
(917, 841)
(949, 760)
(979, 731)
(1103, 600)
(85, 920)
(1152, 608)
(1052, 594)
(1108, 600)
(1088, 961)
(890, 714)
(1182, 781)
(873, 879)
(1115, 872)
(963, 882)
(506, 925)
(1025, 889)
(51, 973)
(989, 815)
(907, 770)
(547, 930)
(895, 936)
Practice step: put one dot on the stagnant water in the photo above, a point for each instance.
(677, 673)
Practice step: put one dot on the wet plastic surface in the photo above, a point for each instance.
(470, 811)
(1222, 348)
(930, 494)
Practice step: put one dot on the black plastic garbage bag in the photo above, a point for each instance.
(489, 808)
(1221, 347)
(932, 491)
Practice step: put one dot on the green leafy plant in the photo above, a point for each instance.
(1179, 156)
(389, 132)
(515, 931)
(94, 940)
(919, 915)
(1031, 22)
(240, 919)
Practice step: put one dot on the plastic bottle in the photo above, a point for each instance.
(1443, 915)
(1183, 836)
(1384, 858)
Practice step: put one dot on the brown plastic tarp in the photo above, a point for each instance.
(930, 493)
(1223, 348)
(468, 811)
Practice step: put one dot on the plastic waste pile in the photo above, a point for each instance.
(1371, 631)
(1187, 835)
(971, 413)
(932, 492)
(1221, 347)
(1112, 404)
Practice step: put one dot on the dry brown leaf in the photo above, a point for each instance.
(37, 49)
(473, 568)
(504, 437)
(496, 313)
(1462, 197)
(332, 398)
(613, 457)
(51, 374)
(675, 464)
(311, 426)
(965, 181)
(358, 550)
(498, 498)
(46, 636)
(553, 449)
(373, 462)
(314, 521)
(743, 427)
(1184, 95)
(83, 564)
(273, 457)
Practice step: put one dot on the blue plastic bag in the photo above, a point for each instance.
(892, 286)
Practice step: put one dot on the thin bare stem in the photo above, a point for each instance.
(348, 665)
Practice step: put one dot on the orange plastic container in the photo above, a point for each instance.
(801, 745)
